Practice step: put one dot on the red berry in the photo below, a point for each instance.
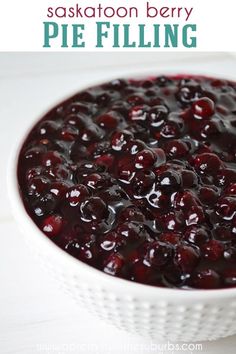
(208, 195)
(159, 254)
(52, 225)
(195, 216)
(105, 160)
(48, 127)
(231, 189)
(69, 133)
(138, 113)
(225, 177)
(172, 222)
(172, 238)
(157, 115)
(185, 200)
(113, 265)
(58, 189)
(196, 235)
(94, 208)
(203, 108)
(229, 277)
(135, 100)
(212, 250)
(108, 120)
(143, 181)
(141, 272)
(223, 233)
(76, 194)
(145, 159)
(38, 186)
(125, 169)
(189, 179)
(226, 208)
(119, 139)
(51, 158)
(187, 257)
(208, 163)
(97, 181)
(206, 279)
(176, 148)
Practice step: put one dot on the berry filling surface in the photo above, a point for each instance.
(137, 178)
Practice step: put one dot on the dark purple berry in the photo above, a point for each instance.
(203, 108)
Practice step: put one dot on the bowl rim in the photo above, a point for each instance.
(24, 220)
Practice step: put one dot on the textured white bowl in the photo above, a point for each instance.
(169, 314)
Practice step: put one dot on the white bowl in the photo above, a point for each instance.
(169, 314)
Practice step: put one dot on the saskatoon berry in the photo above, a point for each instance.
(119, 139)
(143, 181)
(195, 216)
(145, 159)
(184, 200)
(38, 186)
(203, 108)
(212, 250)
(229, 277)
(97, 181)
(76, 194)
(125, 169)
(157, 116)
(47, 128)
(176, 148)
(170, 237)
(108, 120)
(140, 272)
(196, 235)
(208, 163)
(206, 279)
(113, 265)
(159, 253)
(94, 208)
(189, 92)
(112, 241)
(169, 179)
(187, 257)
(223, 233)
(52, 225)
(226, 208)
(225, 177)
(208, 195)
(189, 179)
(138, 113)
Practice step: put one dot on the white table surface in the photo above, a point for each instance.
(35, 316)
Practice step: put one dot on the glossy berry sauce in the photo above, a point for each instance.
(138, 179)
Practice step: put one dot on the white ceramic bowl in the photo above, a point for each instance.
(169, 314)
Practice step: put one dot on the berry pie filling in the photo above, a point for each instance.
(137, 178)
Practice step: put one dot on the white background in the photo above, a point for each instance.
(35, 316)
(21, 23)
